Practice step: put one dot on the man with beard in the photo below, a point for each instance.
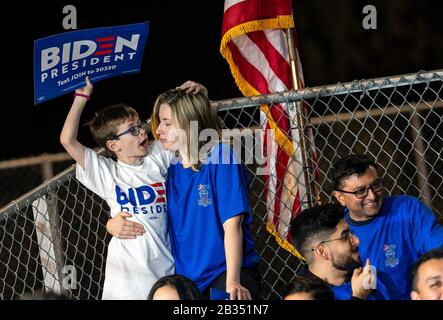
(323, 237)
(394, 230)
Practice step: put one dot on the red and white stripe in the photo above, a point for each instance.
(161, 193)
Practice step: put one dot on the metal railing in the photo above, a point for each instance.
(54, 237)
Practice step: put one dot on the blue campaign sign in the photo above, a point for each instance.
(62, 61)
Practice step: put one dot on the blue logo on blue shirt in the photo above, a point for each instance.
(389, 250)
(203, 194)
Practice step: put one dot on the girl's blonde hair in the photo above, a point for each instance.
(187, 107)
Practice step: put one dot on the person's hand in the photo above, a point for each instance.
(362, 281)
(237, 291)
(86, 90)
(122, 228)
(194, 88)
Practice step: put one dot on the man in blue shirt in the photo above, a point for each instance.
(331, 251)
(394, 231)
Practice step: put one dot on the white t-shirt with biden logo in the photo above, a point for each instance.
(133, 265)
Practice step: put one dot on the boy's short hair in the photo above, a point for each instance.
(430, 255)
(104, 124)
(348, 166)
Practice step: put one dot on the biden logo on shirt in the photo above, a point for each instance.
(144, 199)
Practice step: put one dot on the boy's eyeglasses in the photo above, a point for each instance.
(361, 193)
(134, 130)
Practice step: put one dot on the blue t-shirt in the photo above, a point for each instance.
(404, 229)
(344, 292)
(198, 205)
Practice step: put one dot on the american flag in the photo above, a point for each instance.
(254, 44)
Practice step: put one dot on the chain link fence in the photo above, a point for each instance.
(18, 176)
(54, 237)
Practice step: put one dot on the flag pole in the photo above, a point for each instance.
(293, 58)
(298, 124)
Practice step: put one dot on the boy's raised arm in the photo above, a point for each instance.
(68, 136)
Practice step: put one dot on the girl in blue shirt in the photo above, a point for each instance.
(208, 198)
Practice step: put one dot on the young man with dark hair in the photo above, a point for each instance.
(323, 237)
(427, 276)
(394, 230)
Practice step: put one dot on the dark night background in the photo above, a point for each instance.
(184, 44)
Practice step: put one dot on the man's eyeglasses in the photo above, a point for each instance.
(134, 130)
(361, 193)
(347, 236)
